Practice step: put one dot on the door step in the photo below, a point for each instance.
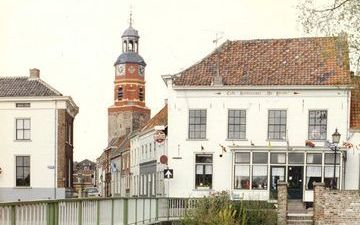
(300, 219)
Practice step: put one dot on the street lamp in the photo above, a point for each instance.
(335, 140)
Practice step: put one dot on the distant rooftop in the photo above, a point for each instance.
(26, 86)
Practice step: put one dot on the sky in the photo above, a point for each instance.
(75, 43)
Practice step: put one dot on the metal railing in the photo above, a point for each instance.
(93, 211)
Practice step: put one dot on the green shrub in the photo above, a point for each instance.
(219, 209)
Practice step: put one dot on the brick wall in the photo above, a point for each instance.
(335, 207)
(65, 151)
(282, 203)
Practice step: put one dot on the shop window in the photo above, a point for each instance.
(296, 158)
(259, 177)
(203, 171)
(313, 174)
(242, 157)
(329, 174)
(260, 157)
(277, 158)
(329, 158)
(314, 158)
(242, 177)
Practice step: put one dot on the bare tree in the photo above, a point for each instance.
(332, 17)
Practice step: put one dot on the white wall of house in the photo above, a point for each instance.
(41, 148)
(256, 101)
(115, 176)
(134, 165)
(352, 176)
(144, 150)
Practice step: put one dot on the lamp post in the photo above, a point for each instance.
(335, 140)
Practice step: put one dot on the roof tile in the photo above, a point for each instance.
(299, 61)
(24, 86)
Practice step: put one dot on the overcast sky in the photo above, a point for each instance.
(74, 43)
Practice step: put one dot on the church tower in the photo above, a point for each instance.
(129, 111)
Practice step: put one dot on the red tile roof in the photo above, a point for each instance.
(160, 119)
(299, 61)
(355, 103)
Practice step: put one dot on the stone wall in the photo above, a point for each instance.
(335, 207)
(282, 203)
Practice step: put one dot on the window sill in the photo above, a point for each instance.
(317, 140)
(188, 139)
(20, 140)
(203, 189)
(276, 140)
(231, 139)
(23, 187)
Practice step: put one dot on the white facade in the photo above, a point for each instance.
(41, 146)
(256, 101)
(147, 171)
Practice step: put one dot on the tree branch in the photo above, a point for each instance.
(333, 8)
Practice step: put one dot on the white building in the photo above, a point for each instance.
(146, 148)
(255, 112)
(36, 147)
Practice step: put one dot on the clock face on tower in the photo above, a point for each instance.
(131, 69)
(120, 69)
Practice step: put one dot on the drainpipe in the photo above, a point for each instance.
(55, 146)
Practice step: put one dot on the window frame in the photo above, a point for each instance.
(120, 93)
(317, 125)
(200, 124)
(203, 165)
(23, 129)
(277, 124)
(237, 125)
(23, 166)
(250, 167)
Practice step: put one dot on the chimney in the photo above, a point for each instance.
(166, 101)
(34, 73)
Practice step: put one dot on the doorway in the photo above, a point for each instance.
(277, 173)
(295, 182)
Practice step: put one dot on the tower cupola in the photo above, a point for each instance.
(130, 47)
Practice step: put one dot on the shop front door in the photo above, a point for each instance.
(277, 174)
(295, 182)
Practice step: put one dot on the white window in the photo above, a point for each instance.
(22, 171)
(23, 129)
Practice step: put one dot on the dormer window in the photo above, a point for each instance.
(120, 93)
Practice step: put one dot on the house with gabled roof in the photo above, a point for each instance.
(36, 156)
(256, 112)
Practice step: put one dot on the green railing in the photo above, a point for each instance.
(93, 211)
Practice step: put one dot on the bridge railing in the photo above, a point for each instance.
(93, 211)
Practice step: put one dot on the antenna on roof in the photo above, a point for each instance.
(217, 80)
(130, 18)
